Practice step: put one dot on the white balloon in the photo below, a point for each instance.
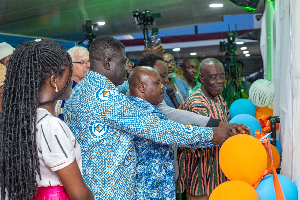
(261, 92)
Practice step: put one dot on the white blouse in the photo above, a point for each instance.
(57, 148)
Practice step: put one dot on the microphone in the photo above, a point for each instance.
(172, 96)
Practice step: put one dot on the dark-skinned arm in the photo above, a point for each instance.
(72, 181)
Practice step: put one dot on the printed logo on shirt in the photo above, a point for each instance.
(128, 158)
(104, 94)
(187, 128)
(67, 117)
(98, 130)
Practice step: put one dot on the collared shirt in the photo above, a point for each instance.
(182, 89)
(155, 162)
(199, 169)
(104, 123)
(124, 87)
(192, 90)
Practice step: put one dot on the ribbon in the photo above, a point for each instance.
(265, 124)
(277, 186)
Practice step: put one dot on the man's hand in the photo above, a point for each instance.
(181, 107)
(146, 51)
(235, 128)
(154, 49)
(157, 49)
(221, 135)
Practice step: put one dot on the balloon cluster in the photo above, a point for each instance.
(245, 160)
(250, 111)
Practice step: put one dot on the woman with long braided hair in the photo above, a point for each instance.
(40, 158)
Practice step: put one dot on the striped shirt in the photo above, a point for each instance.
(199, 169)
(57, 148)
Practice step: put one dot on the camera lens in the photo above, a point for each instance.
(149, 18)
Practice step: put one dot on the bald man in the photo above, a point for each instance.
(155, 161)
(205, 101)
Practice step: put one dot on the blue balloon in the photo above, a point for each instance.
(266, 191)
(242, 106)
(278, 146)
(247, 120)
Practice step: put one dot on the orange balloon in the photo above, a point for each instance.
(276, 157)
(234, 190)
(244, 158)
(260, 111)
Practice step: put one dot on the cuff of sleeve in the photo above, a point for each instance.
(62, 164)
(213, 122)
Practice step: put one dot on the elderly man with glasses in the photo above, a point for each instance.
(81, 64)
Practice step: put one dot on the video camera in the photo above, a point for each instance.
(146, 17)
(229, 47)
(88, 29)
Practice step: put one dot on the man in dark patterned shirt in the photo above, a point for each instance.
(199, 170)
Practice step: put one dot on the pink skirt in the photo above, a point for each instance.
(52, 193)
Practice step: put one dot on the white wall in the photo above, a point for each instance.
(286, 78)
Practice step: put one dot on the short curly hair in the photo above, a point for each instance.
(149, 60)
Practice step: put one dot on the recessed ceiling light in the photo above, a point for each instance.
(176, 49)
(216, 5)
(240, 42)
(247, 55)
(193, 54)
(100, 23)
(243, 48)
(245, 52)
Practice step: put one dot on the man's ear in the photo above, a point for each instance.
(107, 63)
(201, 78)
(142, 87)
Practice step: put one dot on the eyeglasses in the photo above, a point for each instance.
(172, 62)
(83, 62)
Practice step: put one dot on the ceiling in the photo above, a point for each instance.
(207, 52)
(63, 19)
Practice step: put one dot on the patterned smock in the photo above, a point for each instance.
(199, 169)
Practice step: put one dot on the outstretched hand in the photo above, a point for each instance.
(154, 49)
(235, 128)
(221, 135)
(157, 49)
(181, 107)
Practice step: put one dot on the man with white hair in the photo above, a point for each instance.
(5, 53)
(81, 64)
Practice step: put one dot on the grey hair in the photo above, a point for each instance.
(77, 50)
(209, 61)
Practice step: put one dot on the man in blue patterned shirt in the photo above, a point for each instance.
(155, 161)
(105, 123)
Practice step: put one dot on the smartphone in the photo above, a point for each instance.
(154, 31)
(154, 38)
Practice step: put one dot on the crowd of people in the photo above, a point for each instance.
(82, 124)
